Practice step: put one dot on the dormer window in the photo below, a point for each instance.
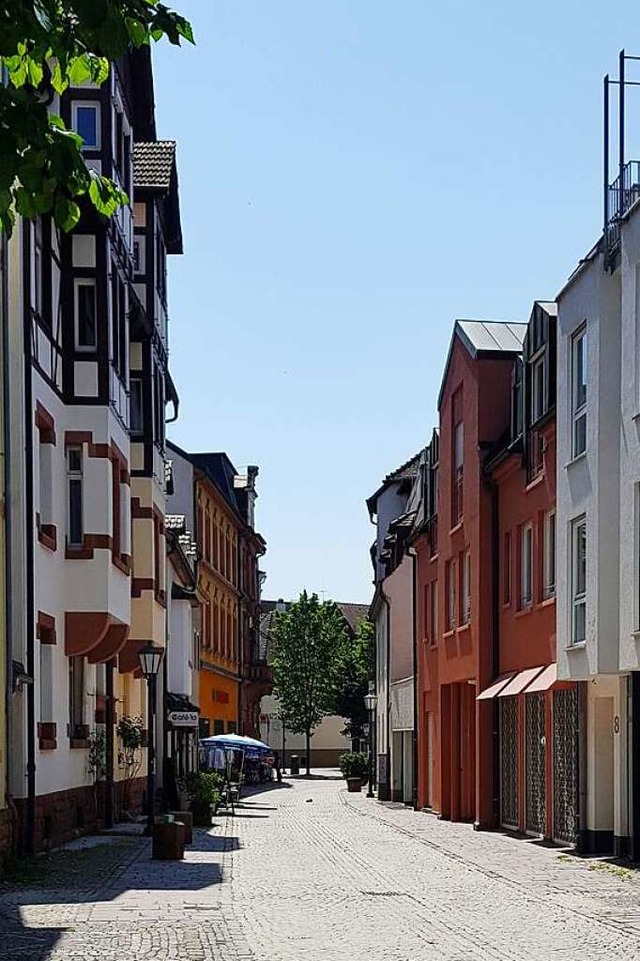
(538, 378)
(86, 123)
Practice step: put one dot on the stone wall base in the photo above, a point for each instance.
(64, 815)
(6, 834)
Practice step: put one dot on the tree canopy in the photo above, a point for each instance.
(309, 649)
(357, 670)
(45, 46)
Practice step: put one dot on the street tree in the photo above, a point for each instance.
(357, 671)
(45, 46)
(309, 643)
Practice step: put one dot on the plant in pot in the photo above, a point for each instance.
(355, 768)
(204, 793)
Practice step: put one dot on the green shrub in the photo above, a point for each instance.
(204, 787)
(354, 764)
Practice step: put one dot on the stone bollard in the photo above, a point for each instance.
(168, 841)
(186, 818)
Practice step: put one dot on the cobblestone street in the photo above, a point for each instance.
(305, 872)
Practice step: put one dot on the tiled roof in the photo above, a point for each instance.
(406, 471)
(353, 613)
(153, 164)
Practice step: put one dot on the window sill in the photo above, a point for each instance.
(578, 646)
(537, 480)
(524, 611)
(48, 536)
(78, 743)
(548, 601)
(456, 527)
(449, 633)
(464, 628)
(576, 460)
(636, 634)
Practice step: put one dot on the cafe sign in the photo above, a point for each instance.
(183, 718)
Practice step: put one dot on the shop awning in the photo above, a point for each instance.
(545, 680)
(520, 681)
(494, 688)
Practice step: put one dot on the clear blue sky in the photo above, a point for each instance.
(354, 176)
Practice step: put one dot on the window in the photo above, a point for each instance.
(38, 260)
(506, 569)
(46, 683)
(549, 588)
(579, 580)
(433, 625)
(75, 524)
(45, 458)
(450, 587)
(137, 256)
(579, 391)
(119, 336)
(516, 399)
(231, 727)
(86, 122)
(218, 727)
(458, 454)
(76, 697)
(86, 315)
(537, 389)
(136, 409)
(465, 589)
(158, 394)
(526, 566)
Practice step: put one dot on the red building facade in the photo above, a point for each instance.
(537, 715)
(497, 741)
(458, 655)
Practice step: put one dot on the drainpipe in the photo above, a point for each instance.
(8, 513)
(413, 554)
(109, 745)
(495, 633)
(387, 605)
(29, 587)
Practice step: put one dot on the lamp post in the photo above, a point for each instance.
(370, 702)
(150, 660)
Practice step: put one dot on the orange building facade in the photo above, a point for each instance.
(229, 581)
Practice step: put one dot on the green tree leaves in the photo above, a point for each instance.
(45, 46)
(309, 650)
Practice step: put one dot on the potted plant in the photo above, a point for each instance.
(355, 768)
(204, 793)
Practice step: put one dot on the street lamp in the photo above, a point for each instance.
(150, 658)
(370, 702)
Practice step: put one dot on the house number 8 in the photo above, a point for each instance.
(616, 725)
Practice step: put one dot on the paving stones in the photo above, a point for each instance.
(342, 879)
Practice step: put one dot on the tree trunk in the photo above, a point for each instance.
(308, 736)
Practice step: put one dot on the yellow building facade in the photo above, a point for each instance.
(218, 527)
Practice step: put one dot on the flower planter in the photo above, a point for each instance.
(201, 811)
(354, 785)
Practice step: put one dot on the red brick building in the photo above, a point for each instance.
(458, 655)
(536, 714)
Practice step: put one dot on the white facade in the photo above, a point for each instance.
(599, 486)
(327, 742)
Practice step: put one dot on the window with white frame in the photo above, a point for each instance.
(579, 391)
(86, 123)
(450, 587)
(433, 627)
(45, 466)
(75, 519)
(537, 389)
(579, 580)
(526, 566)
(86, 318)
(465, 589)
(549, 559)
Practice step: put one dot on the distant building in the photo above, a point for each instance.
(328, 741)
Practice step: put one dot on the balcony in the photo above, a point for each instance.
(621, 196)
